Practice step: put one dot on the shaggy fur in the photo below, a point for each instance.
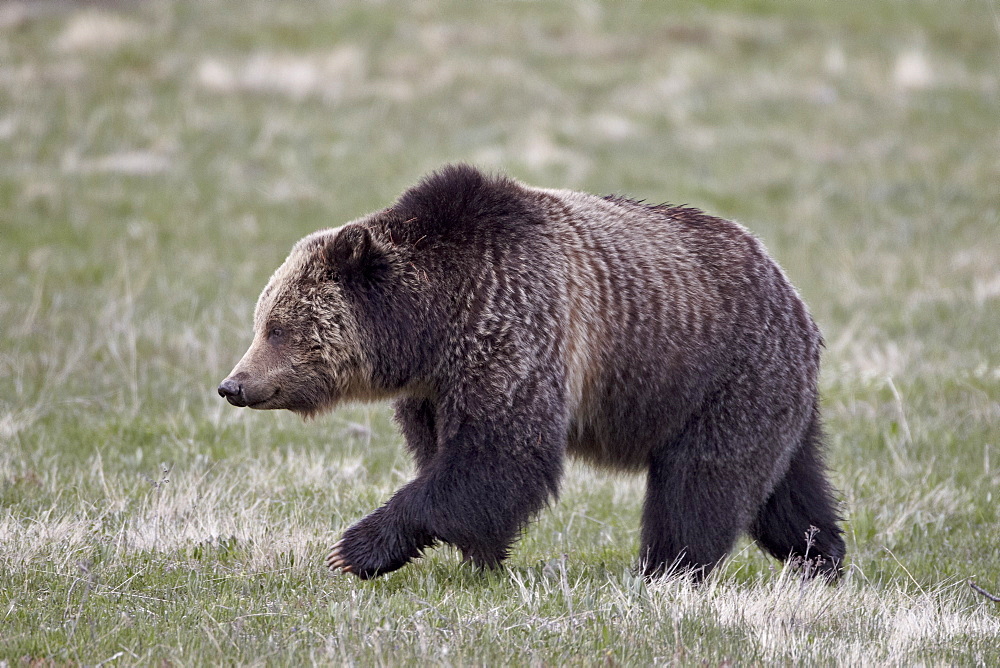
(514, 326)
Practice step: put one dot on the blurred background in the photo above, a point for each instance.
(158, 160)
(188, 144)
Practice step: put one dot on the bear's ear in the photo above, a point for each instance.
(353, 253)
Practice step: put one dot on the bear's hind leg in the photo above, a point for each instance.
(693, 514)
(803, 499)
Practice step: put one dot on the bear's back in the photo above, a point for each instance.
(663, 303)
(651, 310)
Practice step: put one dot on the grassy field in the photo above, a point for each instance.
(157, 161)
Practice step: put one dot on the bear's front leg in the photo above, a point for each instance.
(380, 543)
(488, 477)
(374, 546)
(415, 418)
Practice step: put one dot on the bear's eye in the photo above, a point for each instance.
(275, 333)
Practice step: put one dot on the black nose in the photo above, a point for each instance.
(232, 391)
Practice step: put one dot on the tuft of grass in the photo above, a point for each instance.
(158, 160)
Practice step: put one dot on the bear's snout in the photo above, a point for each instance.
(232, 391)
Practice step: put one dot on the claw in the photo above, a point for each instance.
(335, 560)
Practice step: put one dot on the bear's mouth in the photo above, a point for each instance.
(262, 402)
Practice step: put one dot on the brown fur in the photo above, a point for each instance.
(514, 325)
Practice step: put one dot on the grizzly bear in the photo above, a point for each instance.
(514, 325)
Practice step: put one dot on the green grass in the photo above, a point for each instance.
(158, 160)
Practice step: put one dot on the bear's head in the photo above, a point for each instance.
(324, 324)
